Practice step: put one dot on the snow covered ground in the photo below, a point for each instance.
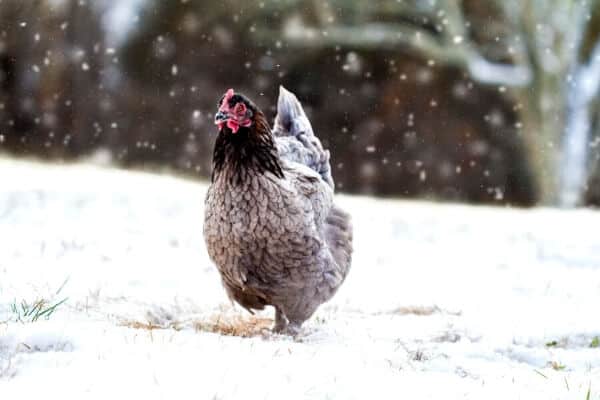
(443, 301)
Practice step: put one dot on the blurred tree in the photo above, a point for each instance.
(16, 107)
(525, 48)
(387, 136)
(562, 48)
(82, 88)
(491, 101)
(51, 66)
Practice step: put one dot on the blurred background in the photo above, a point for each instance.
(491, 101)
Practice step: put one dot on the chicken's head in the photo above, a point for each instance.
(234, 111)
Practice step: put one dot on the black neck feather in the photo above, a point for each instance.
(249, 151)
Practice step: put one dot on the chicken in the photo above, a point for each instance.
(270, 224)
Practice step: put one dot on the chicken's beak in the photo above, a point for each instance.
(221, 117)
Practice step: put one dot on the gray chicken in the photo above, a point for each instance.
(270, 224)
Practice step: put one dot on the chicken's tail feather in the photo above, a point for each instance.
(297, 141)
(338, 234)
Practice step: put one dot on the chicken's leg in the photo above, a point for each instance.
(293, 328)
(280, 321)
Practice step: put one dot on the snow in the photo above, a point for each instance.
(443, 301)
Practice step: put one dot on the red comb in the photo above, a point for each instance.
(229, 94)
(225, 104)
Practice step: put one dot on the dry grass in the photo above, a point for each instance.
(416, 310)
(142, 325)
(221, 323)
(236, 325)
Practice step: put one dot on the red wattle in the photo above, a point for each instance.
(234, 126)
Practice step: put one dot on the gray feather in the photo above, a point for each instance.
(295, 138)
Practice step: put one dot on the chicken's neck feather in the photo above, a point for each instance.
(249, 151)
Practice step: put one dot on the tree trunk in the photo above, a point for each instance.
(542, 127)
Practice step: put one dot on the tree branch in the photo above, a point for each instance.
(455, 51)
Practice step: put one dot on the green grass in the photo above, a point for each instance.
(26, 312)
(589, 392)
(595, 342)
